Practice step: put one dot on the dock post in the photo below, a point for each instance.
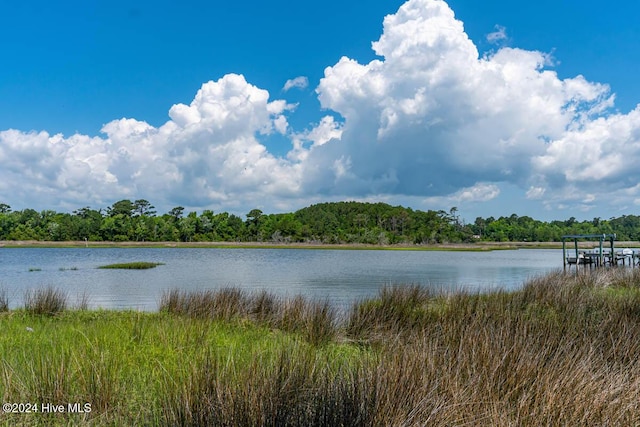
(601, 254)
(614, 261)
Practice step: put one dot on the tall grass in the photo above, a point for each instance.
(396, 310)
(291, 386)
(314, 320)
(45, 301)
(4, 300)
(560, 351)
(563, 350)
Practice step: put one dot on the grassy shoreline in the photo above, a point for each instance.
(563, 350)
(478, 246)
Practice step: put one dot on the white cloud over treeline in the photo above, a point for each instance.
(432, 118)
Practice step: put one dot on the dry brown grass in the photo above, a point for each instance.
(561, 351)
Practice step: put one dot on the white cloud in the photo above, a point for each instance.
(535, 193)
(437, 117)
(498, 35)
(480, 192)
(328, 129)
(206, 154)
(430, 119)
(600, 152)
(300, 82)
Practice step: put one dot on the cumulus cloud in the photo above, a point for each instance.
(433, 117)
(430, 119)
(300, 82)
(326, 130)
(208, 153)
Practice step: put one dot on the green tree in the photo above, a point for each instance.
(176, 213)
(187, 227)
(123, 207)
(143, 207)
(88, 222)
(253, 224)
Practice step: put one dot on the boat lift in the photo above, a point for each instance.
(587, 258)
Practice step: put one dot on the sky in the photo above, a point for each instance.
(493, 107)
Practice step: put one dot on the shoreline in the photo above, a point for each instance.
(479, 246)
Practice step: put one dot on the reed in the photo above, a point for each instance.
(45, 301)
(82, 301)
(222, 304)
(396, 310)
(315, 320)
(4, 300)
(291, 386)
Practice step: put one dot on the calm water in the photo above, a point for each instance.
(343, 276)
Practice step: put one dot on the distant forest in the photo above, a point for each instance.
(340, 222)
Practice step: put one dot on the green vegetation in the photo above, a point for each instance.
(314, 321)
(137, 265)
(323, 223)
(560, 351)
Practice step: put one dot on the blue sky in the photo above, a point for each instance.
(484, 111)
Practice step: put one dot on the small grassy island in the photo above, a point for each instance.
(138, 265)
(562, 350)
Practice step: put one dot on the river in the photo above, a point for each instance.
(342, 276)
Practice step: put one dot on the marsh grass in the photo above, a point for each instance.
(291, 386)
(542, 355)
(4, 300)
(45, 301)
(563, 350)
(397, 309)
(82, 301)
(314, 320)
(138, 265)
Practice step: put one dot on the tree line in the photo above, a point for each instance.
(337, 222)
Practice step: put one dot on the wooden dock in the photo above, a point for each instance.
(599, 256)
